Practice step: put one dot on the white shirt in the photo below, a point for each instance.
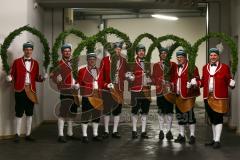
(212, 72)
(94, 73)
(178, 81)
(28, 68)
(144, 79)
(68, 63)
(116, 75)
(162, 64)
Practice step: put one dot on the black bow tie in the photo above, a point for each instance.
(93, 67)
(25, 60)
(180, 66)
(213, 64)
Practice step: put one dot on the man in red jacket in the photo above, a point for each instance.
(140, 92)
(90, 79)
(186, 92)
(63, 77)
(24, 75)
(216, 78)
(165, 107)
(114, 69)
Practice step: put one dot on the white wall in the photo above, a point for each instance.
(13, 17)
(53, 25)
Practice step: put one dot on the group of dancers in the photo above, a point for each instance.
(101, 90)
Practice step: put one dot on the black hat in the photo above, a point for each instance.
(92, 54)
(27, 45)
(139, 47)
(66, 45)
(117, 45)
(163, 50)
(215, 50)
(181, 53)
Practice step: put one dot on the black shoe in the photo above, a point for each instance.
(61, 139)
(161, 135)
(217, 145)
(16, 138)
(105, 135)
(144, 135)
(30, 138)
(134, 135)
(116, 135)
(85, 139)
(210, 143)
(180, 139)
(192, 140)
(169, 136)
(97, 138)
(73, 138)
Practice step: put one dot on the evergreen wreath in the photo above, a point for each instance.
(131, 53)
(8, 40)
(178, 42)
(59, 41)
(89, 43)
(222, 36)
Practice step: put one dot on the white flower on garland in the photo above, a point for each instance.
(219, 46)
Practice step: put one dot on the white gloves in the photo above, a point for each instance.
(127, 74)
(189, 84)
(9, 78)
(130, 76)
(45, 76)
(110, 86)
(75, 86)
(59, 78)
(148, 80)
(95, 85)
(232, 83)
(193, 81)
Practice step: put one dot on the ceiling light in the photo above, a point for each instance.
(160, 16)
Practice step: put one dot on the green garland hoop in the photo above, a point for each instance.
(90, 41)
(8, 40)
(178, 42)
(58, 42)
(232, 45)
(131, 53)
(119, 34)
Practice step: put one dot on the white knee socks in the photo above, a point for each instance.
(18, 125)
(106, 123)
(116, 120)
(144, 123)
(60, 127)
(70, 128)
(134, 122)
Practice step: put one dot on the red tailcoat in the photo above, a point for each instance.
(65, 71)
(106, 68)
(18, 73)
(85, 80)
(137, 84)
(221, 80)
(184, 91)
(158, 75)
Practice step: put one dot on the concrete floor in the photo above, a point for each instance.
(47, 148)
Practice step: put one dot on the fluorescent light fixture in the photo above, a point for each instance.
(160, 16)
